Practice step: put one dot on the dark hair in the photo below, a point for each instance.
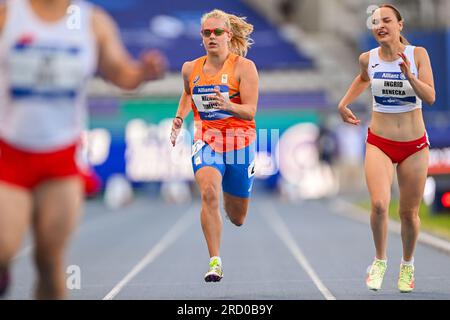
(399, 17)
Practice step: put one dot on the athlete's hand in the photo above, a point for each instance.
(405, 66)
(176, 128)
(348, 116)
(220, 102)
(154, 65)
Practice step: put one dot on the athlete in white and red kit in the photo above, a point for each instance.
(48, 52)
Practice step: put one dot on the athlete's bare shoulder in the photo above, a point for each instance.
(2, 16)
(104, 26)
(189, 65)
(364, 59)
(364, 65)
(420, 50)
(188, 68)
(244, 62)
(100, 19)
(420, 53)
(245, 67)
(99, 13)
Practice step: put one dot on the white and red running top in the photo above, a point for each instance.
(392, 92)
(44, 68)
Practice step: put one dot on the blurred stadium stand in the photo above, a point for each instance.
(173, 27)
(306, 52)
(336, 32)
(289, 77)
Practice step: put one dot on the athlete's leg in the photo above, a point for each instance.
(412, 175)
(237, 184)
(15, 215)
(209, 181)
(379, 174)
(58, 209)
(236, 208)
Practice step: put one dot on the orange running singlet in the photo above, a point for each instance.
(221, 130)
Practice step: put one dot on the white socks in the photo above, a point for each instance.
(408, 263)
(404, 263)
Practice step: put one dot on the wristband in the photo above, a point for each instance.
(177, 117)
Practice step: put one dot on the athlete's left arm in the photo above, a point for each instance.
(423, 85)
(248, 86)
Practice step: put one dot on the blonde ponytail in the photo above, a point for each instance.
(404, 40)
(238, 26)
(241, 41)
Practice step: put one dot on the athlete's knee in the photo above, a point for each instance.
(237, 215)
(409, 216)
(210, 195)
(47, 262)
(380, 208)
(238, 222)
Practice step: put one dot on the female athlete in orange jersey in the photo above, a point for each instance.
(222, 90)
(46, 59)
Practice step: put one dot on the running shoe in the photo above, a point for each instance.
(375, 275)
(406, 278)
(215, 273)
(4, 282)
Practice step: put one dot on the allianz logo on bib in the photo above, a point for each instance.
(210, 89)
(205, 90)
(390, 75)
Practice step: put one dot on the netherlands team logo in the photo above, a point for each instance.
(225, 78)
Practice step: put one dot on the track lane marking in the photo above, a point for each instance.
(282, 231)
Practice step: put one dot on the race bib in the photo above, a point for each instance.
(392, 89)
(45, 71)
(206, 106)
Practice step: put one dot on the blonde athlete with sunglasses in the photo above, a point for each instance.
(46, 58)
(222, 90)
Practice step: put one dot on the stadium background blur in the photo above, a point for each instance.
(306, 52)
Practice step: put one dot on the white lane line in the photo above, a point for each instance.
(166, 241)
(282, 231)
(349, 210)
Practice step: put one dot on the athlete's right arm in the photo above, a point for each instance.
(358, 86)
(2, 17)
(115, 63)
(185, 104)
